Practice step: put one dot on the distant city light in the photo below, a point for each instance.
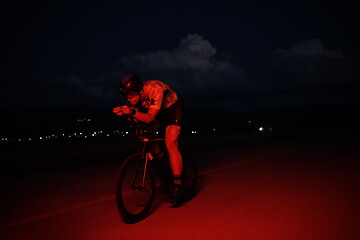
(75, 135)
(83, 120)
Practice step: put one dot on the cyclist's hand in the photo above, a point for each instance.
(118, 111)
(125, 109)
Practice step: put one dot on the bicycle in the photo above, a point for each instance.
(137, 177)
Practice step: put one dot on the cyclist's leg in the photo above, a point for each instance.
(171, 141)
(162, 165)
(173, 119)
(156, 149)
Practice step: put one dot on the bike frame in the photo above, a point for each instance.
(144, 152)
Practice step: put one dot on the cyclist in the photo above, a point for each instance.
(162, 104)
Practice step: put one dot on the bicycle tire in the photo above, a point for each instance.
(133, 203)
(189, 175)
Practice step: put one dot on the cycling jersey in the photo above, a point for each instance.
(157, 95)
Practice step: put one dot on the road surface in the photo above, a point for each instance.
(296, 186)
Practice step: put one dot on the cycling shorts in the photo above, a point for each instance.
(171, 115)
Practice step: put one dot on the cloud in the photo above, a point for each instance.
(306, 64)
(70, 91)
(303, 73)
(193, 52)
(197, 71)
(191, 67)
(97, 87)
(306, 73)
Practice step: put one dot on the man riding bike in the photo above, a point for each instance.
(162, 104)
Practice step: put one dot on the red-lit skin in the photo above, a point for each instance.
(172, 132)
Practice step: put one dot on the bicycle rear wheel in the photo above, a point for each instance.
(134, 192)
(189, 175)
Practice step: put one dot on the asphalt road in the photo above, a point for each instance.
(303, 185)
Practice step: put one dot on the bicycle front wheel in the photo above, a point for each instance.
(135, 189)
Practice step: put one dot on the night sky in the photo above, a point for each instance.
(238, 56)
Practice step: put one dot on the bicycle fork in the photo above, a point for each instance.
(148, 156)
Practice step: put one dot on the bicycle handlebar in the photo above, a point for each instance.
(141, 128)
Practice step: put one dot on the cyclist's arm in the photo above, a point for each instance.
(147, 117)
(156, 99)
(143, 117)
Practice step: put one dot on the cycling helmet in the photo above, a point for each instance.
(131, 83)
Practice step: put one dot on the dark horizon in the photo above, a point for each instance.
(33, 122)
